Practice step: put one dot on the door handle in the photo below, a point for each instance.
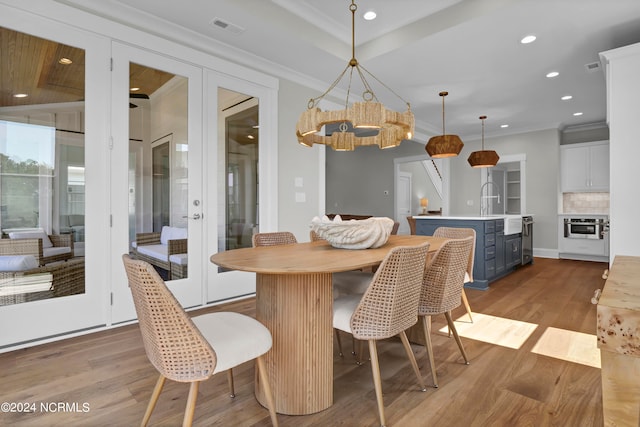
(195, 216)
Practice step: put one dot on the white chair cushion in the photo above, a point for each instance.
(46, 242)
(56, 251)
(343, 308)
(467, 279)
(180, 259)
(17, 262)
(155, 251)
(236, 338)
(350, 282)
(172, 233)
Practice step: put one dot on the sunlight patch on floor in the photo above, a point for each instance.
(571, 346)
(494, 330)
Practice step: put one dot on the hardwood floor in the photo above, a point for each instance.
(503, 386)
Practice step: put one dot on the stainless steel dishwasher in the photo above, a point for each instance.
(527, 239)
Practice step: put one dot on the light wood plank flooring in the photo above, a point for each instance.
(503, 386)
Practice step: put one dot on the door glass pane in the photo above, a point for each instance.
(238, 169)
(42, 182)
(158, 155)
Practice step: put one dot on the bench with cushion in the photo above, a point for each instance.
(45, 248)
(157, 248)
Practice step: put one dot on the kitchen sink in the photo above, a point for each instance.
(512, 224)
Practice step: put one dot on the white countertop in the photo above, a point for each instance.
(474, 218)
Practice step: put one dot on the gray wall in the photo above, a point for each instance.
(542, 174)
(357, 180)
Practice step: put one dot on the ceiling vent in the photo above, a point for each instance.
(226, 25)
(592, 67)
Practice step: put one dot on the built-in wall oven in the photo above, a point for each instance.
(584, 228)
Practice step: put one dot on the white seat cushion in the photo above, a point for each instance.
(47, 252)
(180, 259)
(236, 338)
(350, 282)
(172, 233)
(467, 279)
(46, 242)
(343, 308)
(155, 251)
(17, 262)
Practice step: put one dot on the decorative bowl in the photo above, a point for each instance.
(353, 234)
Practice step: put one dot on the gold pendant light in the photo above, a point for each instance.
(483, 158)
(392, 127)
(442, 146)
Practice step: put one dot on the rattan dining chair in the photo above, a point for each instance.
(441, 291)
(273, 238)
(346, 283)
(461, 233)
(387, 308)
(192, 349)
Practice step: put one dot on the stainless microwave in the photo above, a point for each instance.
(584, 228)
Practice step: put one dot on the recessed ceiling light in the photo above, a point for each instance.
(65, 61)
(579, 113)
(504, 126)
(528, 39)
(369, 15)
(20, 95)
(566, 97)
(553, 74)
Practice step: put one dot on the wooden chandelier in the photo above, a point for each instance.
(392, 127)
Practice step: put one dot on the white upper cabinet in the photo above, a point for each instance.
(585, 167)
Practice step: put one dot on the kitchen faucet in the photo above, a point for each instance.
(484, 200)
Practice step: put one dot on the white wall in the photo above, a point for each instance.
(623, 107)
(297, 165)
(542, 169)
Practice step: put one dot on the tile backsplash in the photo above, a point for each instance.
(595, 203)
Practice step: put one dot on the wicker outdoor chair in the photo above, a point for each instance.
(387, 308)
(186, 349)
(67, 278)
(461, 233)
(273, 239)
(441, 291)
(34, 246)
(173, 247)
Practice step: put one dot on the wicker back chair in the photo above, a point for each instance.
(442, 289)
(273, 238)
(412, 225)
(387, 308)
(313, 236)
(182, 348)
(461, 233)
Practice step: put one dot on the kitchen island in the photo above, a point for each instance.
(498, 248)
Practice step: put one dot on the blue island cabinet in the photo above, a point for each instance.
(495, 253)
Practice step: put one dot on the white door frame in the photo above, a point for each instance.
(43, 320)
(188, 291)
(225, 285)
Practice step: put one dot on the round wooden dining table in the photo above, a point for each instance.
(294, 300)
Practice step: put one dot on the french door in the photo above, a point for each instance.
(156, 164)
(52, 144)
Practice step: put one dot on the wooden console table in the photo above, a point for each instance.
(619, 342)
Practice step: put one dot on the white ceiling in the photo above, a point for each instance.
(418, 48)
